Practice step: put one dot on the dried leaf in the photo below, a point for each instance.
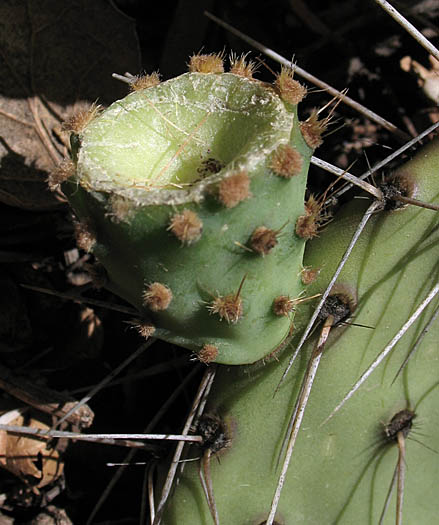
(51, 515)
(55, 58)
(428, 79)
(28, 457)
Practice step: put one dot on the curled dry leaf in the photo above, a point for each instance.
(28, 457)
(55, 59)
(428, 79)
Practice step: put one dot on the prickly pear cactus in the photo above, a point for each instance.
(341, 468)
(191, 193)
(188, 192)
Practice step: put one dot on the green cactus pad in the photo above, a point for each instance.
(340, 471)
(213, 145)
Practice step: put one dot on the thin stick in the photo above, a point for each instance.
(43, 398)
(417, 342)
(82, 300)
(153, 370)
(54, 155)
(207, 378)
(147, 494)
(199, 413)
(299, 411)
(16, 119)
(410, 28)
(401, 477)
(47, 434)
(382, 355)
(388, 159)
(151, 494)
(132, 453)
(369, 212)
(123, 78)
(307, 76)
(106, 380)
(40, 432)
(203, 401)
(376, 192)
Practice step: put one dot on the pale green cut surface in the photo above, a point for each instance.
(161, 137)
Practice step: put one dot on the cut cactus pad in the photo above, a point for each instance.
(174, 182)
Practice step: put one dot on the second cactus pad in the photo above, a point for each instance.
(189, 192)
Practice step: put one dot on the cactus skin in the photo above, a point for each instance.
(129, 160)
(341, 471)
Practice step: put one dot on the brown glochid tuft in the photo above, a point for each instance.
(210, 63)
(234, 189)
(60, 174)
(286, 161)
(145, 81)
(312, 129)
(157, 297)
(228, 307)
(207, 354)
(85, 237)
(283, 305)
(241, 67)
(78, 122)
(289, 90)
(263, 240)
(186, 226)
(308, 225)
(309, 275)
(145, 329)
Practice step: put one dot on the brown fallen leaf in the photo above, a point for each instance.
(44, 399)
(428, 79)
(55, 58)
(51, 515)
(28, 457)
